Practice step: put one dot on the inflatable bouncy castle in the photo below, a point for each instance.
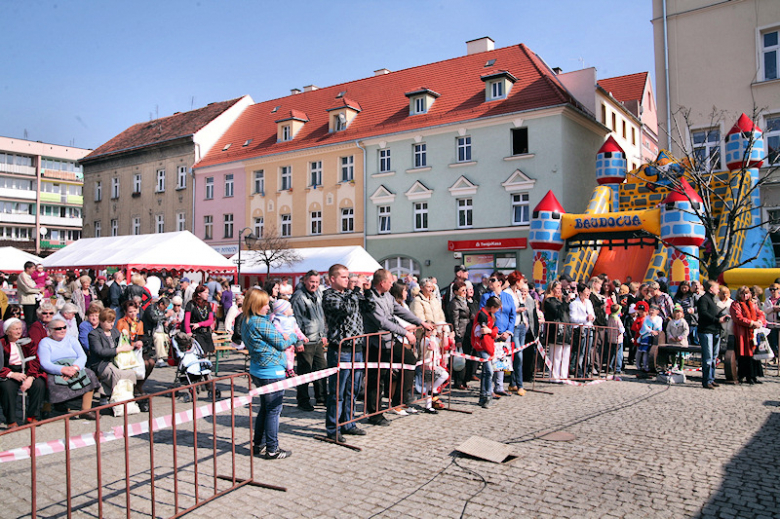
(640, 223)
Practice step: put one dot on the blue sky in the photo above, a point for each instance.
(80, 72)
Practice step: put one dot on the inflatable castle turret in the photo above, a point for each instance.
(611, 169)
(545, 239)
(683, 232)
(745, 149)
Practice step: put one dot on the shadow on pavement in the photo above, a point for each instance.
(749, 487)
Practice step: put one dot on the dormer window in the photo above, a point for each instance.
(342, 114)
(288, 127)
(420, 101)
(498, 84)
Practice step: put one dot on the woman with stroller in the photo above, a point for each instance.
(199, 318)
(267, 365)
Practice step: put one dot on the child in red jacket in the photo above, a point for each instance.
(483, 340)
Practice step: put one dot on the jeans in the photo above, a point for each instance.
(341, 399)
(486, 382)
(267, 422)
(516, 378)
(582, 340)
(615, 353)
(710, 343)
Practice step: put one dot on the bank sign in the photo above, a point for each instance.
(648, 220)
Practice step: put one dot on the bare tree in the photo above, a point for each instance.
(273, 251)
(727, 206)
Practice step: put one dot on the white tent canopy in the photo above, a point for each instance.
(152, 252)
(12, 260)
(354, 257)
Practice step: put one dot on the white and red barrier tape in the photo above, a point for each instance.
(162, 422)
(566, 381)
(480, 359)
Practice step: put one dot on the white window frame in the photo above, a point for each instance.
(521, 202)
(420, 218)
(767, 50)
(463, 148)
(385, 163)
(465, 213)
(285, 178)
(259, 224)
(160, 181)
(209, 194)
(136, 225)
(208, 227)
(181, 177)
(259, 181)
(286, 228)
(772, 139)
(227, 221)
(384, 216)
(137, 183)
(98, 229)
(229, 185)
(348, 168)
(420, 155)
(497, 89)
(420, 105)
(115, 188)
(114, 227)
(712, 149)
(286, 132)
(159, 223)
(315, 222)
(98, 191)
(181, 222)
(347, 221)
(315, 173)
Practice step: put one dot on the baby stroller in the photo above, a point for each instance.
(192, 366)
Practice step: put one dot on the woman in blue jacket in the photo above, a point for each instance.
(267, 365)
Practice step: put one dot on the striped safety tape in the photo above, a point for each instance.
(162, 422)
(480, 359)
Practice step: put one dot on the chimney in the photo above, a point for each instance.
(479, 45)
(557, 70)
(310, 88)
(381, 72)
(295, 91)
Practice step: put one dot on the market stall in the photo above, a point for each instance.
(12, 260)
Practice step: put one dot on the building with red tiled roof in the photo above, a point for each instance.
(405, 162)
(139, 182)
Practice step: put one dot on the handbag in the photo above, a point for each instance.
(763, 350)
(78, 381)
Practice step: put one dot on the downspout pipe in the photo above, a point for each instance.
(365, 195)
(666, 78)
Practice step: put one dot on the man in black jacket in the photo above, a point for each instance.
(307, 308)
(380, 314)
(709, 333)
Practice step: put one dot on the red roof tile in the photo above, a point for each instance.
(625, 88)
(384, 107)
(147, 134)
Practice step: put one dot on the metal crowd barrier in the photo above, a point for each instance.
(87, 467)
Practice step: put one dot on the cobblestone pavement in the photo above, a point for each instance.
(642, 449)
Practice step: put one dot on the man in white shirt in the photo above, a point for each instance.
(581, 313)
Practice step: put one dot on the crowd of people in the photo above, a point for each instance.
(60, 343)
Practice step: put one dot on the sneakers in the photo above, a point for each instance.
(336, 437)
(355, 431)
(431, 410)
(412, 410)
(258, 450)
(278, 455)
(161, 364)
(399, 412)
(520, 391)
(486, 404)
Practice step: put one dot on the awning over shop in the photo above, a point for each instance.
(181, 251)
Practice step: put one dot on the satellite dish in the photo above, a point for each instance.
(44, 231)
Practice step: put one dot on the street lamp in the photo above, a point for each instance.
(251, 241)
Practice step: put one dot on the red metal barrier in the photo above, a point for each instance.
(171, 490)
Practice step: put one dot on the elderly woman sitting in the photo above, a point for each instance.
(16, 374)
(103, 347)
(63, 358)
(68, 313)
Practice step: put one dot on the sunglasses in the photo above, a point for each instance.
(57, 329)
(176, 306)
(47, 313)
(493, 280)
(773, 289)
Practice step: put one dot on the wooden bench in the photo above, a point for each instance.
(223, 347)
